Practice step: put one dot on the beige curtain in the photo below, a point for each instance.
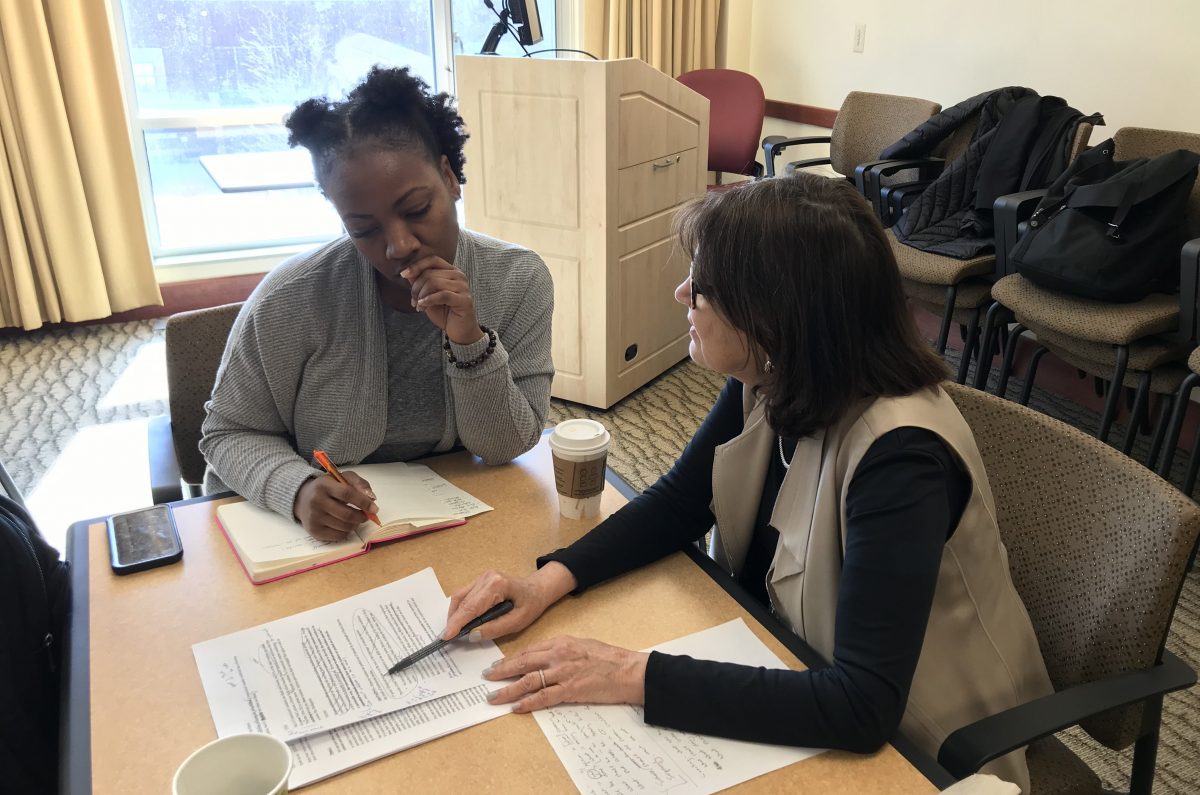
(674, 36)
(72, 240)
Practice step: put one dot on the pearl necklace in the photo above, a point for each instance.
(782, 459)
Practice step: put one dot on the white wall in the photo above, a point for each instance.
(1138, 63)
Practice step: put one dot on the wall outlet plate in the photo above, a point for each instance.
(860, 36)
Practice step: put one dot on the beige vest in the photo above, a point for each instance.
(980, 655)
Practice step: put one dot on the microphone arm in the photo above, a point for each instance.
(496, 33)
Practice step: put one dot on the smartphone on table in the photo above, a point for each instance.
(143, 539)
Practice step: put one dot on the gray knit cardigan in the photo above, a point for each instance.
(305, 368)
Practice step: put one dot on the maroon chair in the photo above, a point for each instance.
(735, 119)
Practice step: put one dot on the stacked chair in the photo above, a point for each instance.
(944, 286)
(866, 123)
(956, 290)
(1189, 324)
(1135, 345)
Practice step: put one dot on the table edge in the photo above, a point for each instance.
(75, 712)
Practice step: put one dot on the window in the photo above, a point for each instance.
(212, 80)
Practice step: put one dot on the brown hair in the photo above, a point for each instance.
(801, 265)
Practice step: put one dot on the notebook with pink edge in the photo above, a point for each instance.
(412, 500)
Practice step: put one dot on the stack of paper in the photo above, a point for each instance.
(319, 679)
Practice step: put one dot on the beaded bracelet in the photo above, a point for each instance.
(480, 359)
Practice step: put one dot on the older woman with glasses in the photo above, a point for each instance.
(845, 492)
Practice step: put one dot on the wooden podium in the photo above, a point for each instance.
(586, 162)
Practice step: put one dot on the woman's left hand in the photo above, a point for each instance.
(576, 671)
(441, 291)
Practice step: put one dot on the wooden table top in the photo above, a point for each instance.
(147, 706)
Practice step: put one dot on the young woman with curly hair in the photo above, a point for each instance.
(406, 336)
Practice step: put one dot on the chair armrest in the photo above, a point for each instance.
(969, 748)
(894, 198)
(815, 161)
(868, 177)
(773, 145)
(862, 181)
(165, 485)
(1008, 212)
(928, 167)
(1189, 289)
(862, 169)
(861, 173)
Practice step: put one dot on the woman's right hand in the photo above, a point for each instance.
(530, 597)
(323, 505)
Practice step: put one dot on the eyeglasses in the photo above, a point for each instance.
(695, 290)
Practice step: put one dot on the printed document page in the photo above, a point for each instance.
(610, 749)
(327, 668)
(326, 754)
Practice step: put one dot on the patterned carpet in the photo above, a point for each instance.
(54, 382)
(651, 426)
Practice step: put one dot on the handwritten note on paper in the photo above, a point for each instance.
(610, 749)
(327, 668)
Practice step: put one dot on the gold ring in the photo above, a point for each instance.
(542, 673)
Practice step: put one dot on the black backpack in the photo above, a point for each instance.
(34, 596)
(1110, 229)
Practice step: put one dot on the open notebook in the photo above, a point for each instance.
(412, 499)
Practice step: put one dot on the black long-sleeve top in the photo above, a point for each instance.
(903, 503)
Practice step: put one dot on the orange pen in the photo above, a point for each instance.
(328, 466)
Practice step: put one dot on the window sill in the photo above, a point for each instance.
(192, 267)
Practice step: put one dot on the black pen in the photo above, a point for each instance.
(474, 623)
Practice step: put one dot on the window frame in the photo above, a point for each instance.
(189, 264)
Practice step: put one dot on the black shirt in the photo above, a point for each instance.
(904, 501)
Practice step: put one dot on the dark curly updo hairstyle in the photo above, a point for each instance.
(801, 265)
(391, 109)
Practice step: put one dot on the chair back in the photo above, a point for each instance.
(957, 142)
(195, 342)
(868, 123)
(1098, 546)
(1083, 134)
(735, 116)
(1136, 142)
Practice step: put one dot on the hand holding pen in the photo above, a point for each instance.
(471, 626)
(330, 507)
(530, 596)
